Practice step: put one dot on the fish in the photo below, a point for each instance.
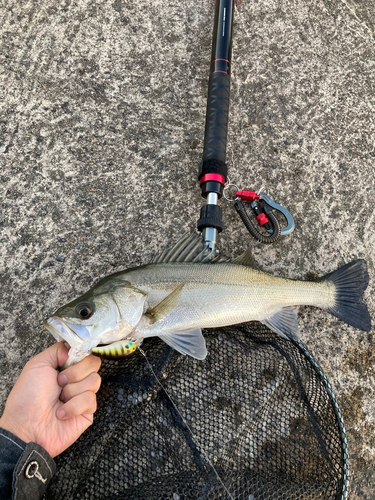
(187, 288)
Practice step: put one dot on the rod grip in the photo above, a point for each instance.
(215, 136)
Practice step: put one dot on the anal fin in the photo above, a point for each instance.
(189, 341)
(284, 322)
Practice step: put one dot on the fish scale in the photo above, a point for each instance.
(210, 286)
(174, 300)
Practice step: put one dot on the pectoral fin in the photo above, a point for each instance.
(189, 341)
(284, 322)
(166, 305)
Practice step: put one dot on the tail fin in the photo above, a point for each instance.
(350, 282)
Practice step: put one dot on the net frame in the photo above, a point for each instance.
(119, 456)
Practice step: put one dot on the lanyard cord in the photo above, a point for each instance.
(185, 423)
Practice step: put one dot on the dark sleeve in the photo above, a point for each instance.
(25, 469)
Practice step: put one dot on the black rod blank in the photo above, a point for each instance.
(213, 169)
(215, 137)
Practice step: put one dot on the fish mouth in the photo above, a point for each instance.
(63, 331)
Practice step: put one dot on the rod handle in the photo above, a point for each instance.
(215, 137)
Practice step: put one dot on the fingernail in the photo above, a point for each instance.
(62, 397)
(60, 413)
(62, 380)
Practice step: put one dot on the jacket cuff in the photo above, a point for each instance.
(11, 448)
(34, 470)
(25, 469)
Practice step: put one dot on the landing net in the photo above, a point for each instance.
(256, 420)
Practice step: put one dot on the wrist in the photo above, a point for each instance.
(12, 427)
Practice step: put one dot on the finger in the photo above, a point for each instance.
(90, 383)
(80, 371)
(54, 356)
(84, 403)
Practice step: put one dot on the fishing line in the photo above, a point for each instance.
(185, 423)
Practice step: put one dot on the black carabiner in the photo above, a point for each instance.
(264, 216)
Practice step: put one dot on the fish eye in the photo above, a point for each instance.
(84, 310)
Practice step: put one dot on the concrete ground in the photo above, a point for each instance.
(102, 121)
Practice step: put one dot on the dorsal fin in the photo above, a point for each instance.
(245, 259)
(189, 248)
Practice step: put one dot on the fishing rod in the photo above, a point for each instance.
(213, 170)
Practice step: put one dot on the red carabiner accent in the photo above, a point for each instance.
(262, 219)
(248, 195)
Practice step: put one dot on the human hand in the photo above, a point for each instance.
(50, 408)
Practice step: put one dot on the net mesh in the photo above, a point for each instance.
(256, 420)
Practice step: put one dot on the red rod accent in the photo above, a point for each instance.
(226, 60)
(212, 177)
(218, 71)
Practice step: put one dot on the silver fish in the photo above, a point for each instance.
(183, 290)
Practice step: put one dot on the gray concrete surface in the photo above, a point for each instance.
(102, 120)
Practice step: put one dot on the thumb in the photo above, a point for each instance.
(54, 356)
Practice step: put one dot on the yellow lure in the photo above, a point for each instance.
(119, 349)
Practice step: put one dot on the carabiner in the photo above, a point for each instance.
(289, 218)
(264, 215)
